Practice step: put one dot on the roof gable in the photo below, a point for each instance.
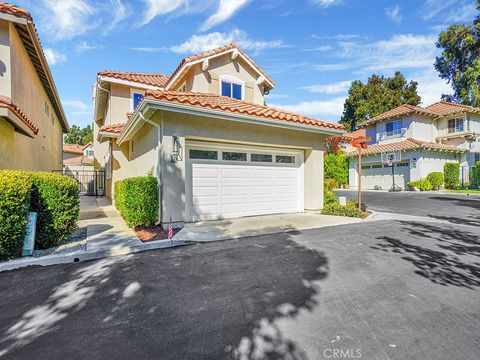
(447, 108)
(152, 79)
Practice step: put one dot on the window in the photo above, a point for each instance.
(234, 156)
(136, 99)
(403, 164)
(89, 153)
(261, 158)
(377, 166)
(394, 128)
(47, 109)
(477, 157)
(231, 89)
(203, 154)
(285, 159)
(455, 125)
(366, 166)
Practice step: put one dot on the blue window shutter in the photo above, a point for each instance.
(136, 99)
(226, 89)
(237, 91)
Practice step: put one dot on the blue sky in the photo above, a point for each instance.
(313, 49)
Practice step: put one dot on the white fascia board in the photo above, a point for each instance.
(222, 115)
(129, 83)
(189, 64)
(13, 18)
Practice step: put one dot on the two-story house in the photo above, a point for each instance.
(32, 121)
(78, 157)
(424, 138)
(205, 133)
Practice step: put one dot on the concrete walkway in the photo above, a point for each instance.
(257, 225)
(105, 227)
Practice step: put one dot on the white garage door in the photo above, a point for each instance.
(379, 177)
(234, 181)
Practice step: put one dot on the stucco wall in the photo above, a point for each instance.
(144, 156)
(44, 151)
(198, 80)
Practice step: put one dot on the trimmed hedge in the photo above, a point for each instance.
(422, 185)
(476, 175)
(15, 190)
(351, 210)
(451, 173)
(336, 167)
(436, 179)
(136, 199)
(53, 196)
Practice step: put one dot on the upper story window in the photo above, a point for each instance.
(231, 87)
(394, 128)
(455, 125)
(137, 97)
(89, 152)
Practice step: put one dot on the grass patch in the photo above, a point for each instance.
(466, 191)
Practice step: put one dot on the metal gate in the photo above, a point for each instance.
(90, 182)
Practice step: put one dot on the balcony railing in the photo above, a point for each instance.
(395, 134)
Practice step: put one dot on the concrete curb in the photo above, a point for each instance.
(89, 255)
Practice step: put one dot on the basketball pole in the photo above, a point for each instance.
(393, 176)
(359, 178)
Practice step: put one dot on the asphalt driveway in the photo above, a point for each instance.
(374, 290)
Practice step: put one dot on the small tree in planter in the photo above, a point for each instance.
(436, 179)
(451, 173)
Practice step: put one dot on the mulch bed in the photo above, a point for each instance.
(152, 233)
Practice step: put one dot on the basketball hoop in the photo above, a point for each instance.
(390, 158)
(390, 162)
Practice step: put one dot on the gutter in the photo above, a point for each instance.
(159, 172)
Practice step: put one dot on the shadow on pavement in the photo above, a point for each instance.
(442, 254)
(208, 301)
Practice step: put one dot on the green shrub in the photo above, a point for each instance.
(54, 197)
(329, 197)
(351, 210)
(475, 175)
(136, 199)
(451, 173)
(436, 179)
(15, 190)
(422, 185)
(330, 184)
(336, 167)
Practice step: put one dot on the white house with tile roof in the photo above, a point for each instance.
(216, 149)
(426, 137)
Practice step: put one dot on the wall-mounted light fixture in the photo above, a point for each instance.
(177, 150)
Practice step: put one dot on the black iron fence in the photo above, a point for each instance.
(90, 182)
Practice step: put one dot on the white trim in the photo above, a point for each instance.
(222, 115)
(232, 80)
(191, 63)
(129, 83)
(13, 18)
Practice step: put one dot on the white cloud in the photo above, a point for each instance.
(331, 67)
(430, 85)
(160, 7)
(394, 14)
(462, 14)
(226, 9)
(448, 11)
(54, 57)
(327, 3)
(335, 88)
(83, 46)
(148, 49)
(328, 108)
(67, 18)
(75, 104)
(200, 43)
(120, 13)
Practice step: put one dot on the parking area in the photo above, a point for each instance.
(384, 290)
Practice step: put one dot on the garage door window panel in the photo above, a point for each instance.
(203, 154)
(285, 159)
(261, 158)
(234, 156)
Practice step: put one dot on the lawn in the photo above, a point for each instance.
(466, 191)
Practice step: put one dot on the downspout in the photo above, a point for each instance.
(159, 162)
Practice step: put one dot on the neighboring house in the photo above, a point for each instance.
(78, 157)
(32, 121)
(205, 133)
(427, 138)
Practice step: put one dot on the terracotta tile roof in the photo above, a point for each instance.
(407, 144)
(355, 134)
(446, 108)
(157, 80)
(14, 10)
(113, 129)
(399, 111)
(216, 51)
(81, 160)
(73, 148)
(6, 102)
(227, 104)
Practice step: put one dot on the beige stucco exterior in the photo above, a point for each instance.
(20, 82)
(143, 154)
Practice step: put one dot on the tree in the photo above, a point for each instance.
(336, 167)
(78, 135)
(378, 95)
(459, 62)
